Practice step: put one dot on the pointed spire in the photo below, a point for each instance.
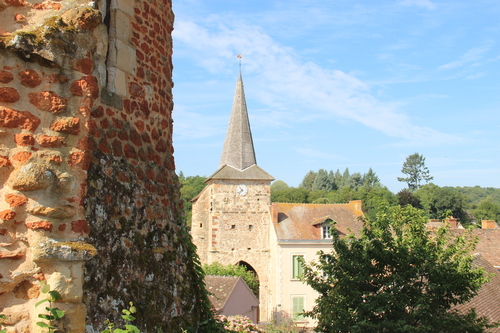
(238, 150)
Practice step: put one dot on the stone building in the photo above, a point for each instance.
(89, 199)
(234, 223)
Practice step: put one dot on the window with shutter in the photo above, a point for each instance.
(298, 307)
(297, 266)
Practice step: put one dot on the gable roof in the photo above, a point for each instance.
(221, 288)
(301, 221)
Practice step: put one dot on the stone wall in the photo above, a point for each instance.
(88, 194)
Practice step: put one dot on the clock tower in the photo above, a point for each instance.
(231, 221)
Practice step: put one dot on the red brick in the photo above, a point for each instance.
(3, 232)
(79, 160)
(6, 77)
(129, 151)
(117, 123)
(151, 174)
(123, 177)
(111, 134)
(4, 161)
(110, 112)
(8, 95)
(104, 123)
(140, 125)
(11, 118)
(135, 137)
(98, 112)
(70, 125)
(123, 135)
(136, 90)
(161, 146)
(61, 227)
(22, 156)
(47, 141)
(18, 18)
(45, 225)
(117, 148)
(7, 215)
(23, 139)
(29, 78)
(48, 101)
(154, 134)
(145, 137)
(104, 146)
(16, 3)
(85, 87)
(80, 226)
(16, 200)
(142, 154)
(85, 66)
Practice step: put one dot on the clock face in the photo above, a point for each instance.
(242, 190)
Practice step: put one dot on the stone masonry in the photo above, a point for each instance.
(88, 193)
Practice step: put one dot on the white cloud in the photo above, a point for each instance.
(471, 56)
(419, 3)
(301, 91)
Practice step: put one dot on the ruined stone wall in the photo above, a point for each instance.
(86, 166)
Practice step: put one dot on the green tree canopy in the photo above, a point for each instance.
(487, 210)
(396, 277)
(416, 171)
(233, 270)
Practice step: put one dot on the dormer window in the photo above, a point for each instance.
(326, 230)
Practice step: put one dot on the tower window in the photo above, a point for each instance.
(233, 226)
(201, 225)
(250, 227)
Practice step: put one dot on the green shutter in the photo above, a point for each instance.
(298, 307)
(297, 267)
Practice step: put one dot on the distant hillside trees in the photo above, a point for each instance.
(329, 187)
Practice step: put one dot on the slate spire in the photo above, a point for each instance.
(238, 151)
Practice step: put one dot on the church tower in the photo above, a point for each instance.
(231, 221)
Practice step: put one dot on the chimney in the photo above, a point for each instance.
(488, 224)
(452, 221)
(274, 212)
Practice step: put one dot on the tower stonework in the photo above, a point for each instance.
(231, 222)
(89, 198)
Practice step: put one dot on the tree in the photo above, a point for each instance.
(233, 270)
(290, 195)
(279, 185)
(415, 168)
(406, 197)
(396, 277)
(487, 210)
(308, 180)
(438, 202)
(190, 187)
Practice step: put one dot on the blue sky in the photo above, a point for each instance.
(342, 83)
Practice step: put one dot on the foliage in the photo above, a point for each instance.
(290, 195)
(54, 314)
(308, 180)
(191, 186)
(477, 194)
(396, 277)
(487, 210)
(286, 325)
(233, 270)
(407, 197)
(439, 202)
(279, 185)
(238, 324)
(128, 317)
(414, 167)
(2, 317)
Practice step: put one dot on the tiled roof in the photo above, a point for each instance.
(302, 221)
(220, 288)
(487, 300)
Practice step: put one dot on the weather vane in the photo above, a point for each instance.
(239, 56)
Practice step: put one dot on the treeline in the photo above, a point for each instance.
(326, 187)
